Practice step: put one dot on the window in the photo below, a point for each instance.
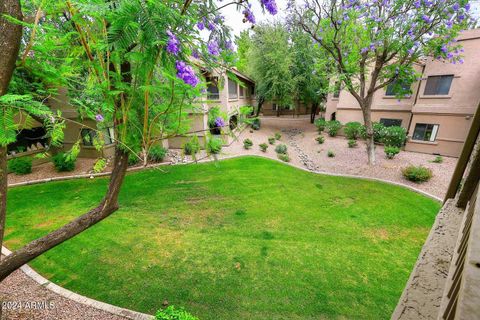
(391, 89)
(438, 85)
(425, 132)
(274, 106)
(336, 90)
(212, 89)
(391, 122)
(232, 89)
(89, 135)
(242, 91)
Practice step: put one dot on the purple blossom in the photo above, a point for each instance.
(219, 122)
(411, 51)
(201, 25)
(449, 24)
(456, 7)
(364, 50)
(229, 45)
(249, 14)
(467, 7)
(271, 6)
(211, 26)
(195, 54)
(461, 61)
(213, 48)
(444, 49)
(173, 45)
(426, 19)
(186, 73)
(99, 118)
(461, 17)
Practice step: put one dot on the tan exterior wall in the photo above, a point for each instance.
(330, 106)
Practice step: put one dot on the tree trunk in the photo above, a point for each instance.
(313, 112)
(107, 206)
(367, 118)
(259, 106)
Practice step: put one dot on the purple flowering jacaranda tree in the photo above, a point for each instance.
(376, 43)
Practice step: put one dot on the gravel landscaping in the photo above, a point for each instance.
(298, 134)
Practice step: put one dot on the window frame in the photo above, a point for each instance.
(211, 83)
(434, 89)
(433, 132)
(391, 120)
(232, 95)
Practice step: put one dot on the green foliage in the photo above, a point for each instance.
(394, 136)
(417, 174)
(263, 147)
(284, 157)
(157, 153)
(281, 148)
(352, 143)
(214, 145)
(100, 165)
(192, 147)
(332, 127)
(391, 151)
(213, 114)
(255, 124)
(330, 154)
(63, 161)
(272, 140)
(172, 313)
(133, 158)
(320, 139)
(247, 143)
(320, 124)
(438, 159)
(20, 166)
(352, 130)
(278, 136)
(378, 132)
(244, 43)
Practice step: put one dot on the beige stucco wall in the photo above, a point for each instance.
(330, 106)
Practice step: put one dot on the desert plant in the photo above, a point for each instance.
(157, 153)
(171, 313)
(214, 145)
(330, 154)
(332, 127)
(271, 140)
(417, 174)
(320, 124)
(352, 143)
(281, 148)
(320, 139)
(278, 136)
(284, 157)
(247, 143)
(20, 166)
(64, 162)
(391, 151)
(263, 147)
(352, 130)
(192, 147)
(378, 132)
(438, 159)
(394, 136)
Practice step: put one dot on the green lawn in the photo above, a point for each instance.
(247, 238)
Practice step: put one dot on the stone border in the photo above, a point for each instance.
(65, 293)
(130, 314)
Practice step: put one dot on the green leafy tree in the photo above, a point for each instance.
(375, 43)
(244, 43)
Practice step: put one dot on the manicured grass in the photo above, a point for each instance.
(246, 238)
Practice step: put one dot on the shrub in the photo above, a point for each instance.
(247, 143)
(157, 153)
(378, 132)
(256, 124)
(263, 147)
(394, 136)
(417, 174)
(64, 162)
(352, 143)
(271, 140)
(192, 147)
(320, 139)
(391, 151)
(332, 127)
(438, 159)
(20, 166)
(320, 124)
(281, 148)
(214, 145)
(352, 130)
(171, 313)
(330, 154)
(284, 157)
(133, 159)
(278, 136)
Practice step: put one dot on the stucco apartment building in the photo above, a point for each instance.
(439, 112)
(224, 92)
